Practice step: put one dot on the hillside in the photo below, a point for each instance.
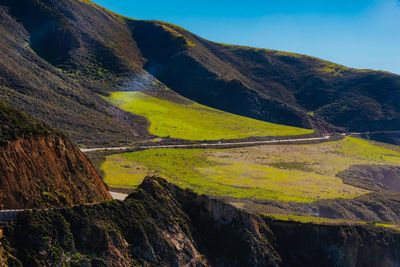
(52, 65)
(42, 168)
(162, 225)
(60, 55)
(269, 85)
(188, 120)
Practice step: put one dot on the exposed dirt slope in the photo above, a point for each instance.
(41, 168)
(162, 225)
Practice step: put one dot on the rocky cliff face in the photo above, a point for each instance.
(162, 225)
(47, 171)
(40, 167)
(304, 245)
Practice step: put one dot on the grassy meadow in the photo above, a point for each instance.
(192, 121)
(289, 173)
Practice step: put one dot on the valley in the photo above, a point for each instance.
(127, 142)
(288, 173)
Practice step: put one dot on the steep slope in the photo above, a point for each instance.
(269, 85)
(58, 55)
(53, 61)
(162, 225)
(41, 168)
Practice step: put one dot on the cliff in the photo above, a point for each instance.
(41, 168)
(162, 225)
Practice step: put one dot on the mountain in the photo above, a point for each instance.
(269, 85)
(61, 56)
(162, 225)
(41, 168)
(48, 58)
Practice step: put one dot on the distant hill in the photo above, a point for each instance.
(270, 85)
(58, 55)
(41, 168)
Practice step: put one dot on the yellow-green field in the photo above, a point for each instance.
(313, 220)
(192, 121)
(324, 221)
(321, 220)
(295, 173)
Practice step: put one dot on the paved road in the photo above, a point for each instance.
(118, 196)
(11, 215)
(225, 143)
(219, 144)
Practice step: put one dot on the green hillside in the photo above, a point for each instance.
(192, 121)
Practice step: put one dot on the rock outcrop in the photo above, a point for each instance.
(40, 167)
(47, 171)
(162, 225)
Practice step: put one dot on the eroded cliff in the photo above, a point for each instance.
(41, 168)
(47, 171)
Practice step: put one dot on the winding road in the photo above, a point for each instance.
(210, 145)
(234, 144)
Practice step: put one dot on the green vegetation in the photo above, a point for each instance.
(289, 173)
(194, 121)
(310, 219)
(321, 220)
(173, 30)
(14, 124)
(395, 227)
(363, 149)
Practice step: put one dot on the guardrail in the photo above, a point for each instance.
(11, 215)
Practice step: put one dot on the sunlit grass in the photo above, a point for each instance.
(364, 149)
(395, 227)
(311, 219)
(324, 221)
(289, 173)
(194, 121)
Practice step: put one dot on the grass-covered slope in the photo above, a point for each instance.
(57, 53)
(292, 173)
(54, 54)
(269, 85)
(14, 124)
(192, 121)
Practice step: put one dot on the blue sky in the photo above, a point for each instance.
(356, 33)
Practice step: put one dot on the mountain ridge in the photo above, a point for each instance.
(273, 86)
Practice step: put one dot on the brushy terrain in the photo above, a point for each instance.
(55, 64)
(14, 124)
(270, 85)
(291, 173)
(192, 121)
(162, 225)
